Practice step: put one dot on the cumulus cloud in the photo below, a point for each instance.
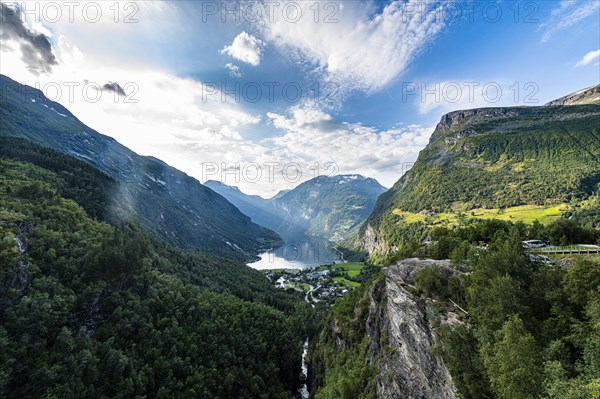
(588, 58)
(312, 135)
(245, 48)
(169, 117)
(234, 70)
(566, 15)
(365, 49)
(175, 121)
(36, 49)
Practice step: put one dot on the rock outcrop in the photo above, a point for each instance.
(373, 242)
(402, 340)
(590, 95)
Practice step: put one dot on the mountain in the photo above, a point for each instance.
(112, 311)
(170, 203)
(591, 95)
(280, 194)
(260, 210)
(330, 207)
(517, 163)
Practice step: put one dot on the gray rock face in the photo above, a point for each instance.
(591, 95)
(402, 341)
(372, 242)
(406, 269)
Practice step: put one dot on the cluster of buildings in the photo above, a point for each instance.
(318, 285)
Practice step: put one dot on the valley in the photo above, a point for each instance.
(328, 207)
(475, 276)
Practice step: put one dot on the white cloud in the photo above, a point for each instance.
(234, 70)
(174, 122)
(175, 119)
(364, 50)
(588, 58)
(446, 96)
(567, 14)
(245, 48)
(313, 136)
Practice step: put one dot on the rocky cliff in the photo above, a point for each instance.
(15, 275)
(380, 341)
(402, 339)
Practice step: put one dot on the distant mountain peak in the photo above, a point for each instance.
(325, 206)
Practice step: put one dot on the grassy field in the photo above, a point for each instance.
(352, 268)
(523, 213)
(303, 286)
(347, 282)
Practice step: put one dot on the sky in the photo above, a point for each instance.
(264, 95)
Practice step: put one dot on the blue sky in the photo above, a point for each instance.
(374, 57)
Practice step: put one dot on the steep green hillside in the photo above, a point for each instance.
(331, 207)
(90, 310)
(171, 204)
(80, 182)
(488, 161)
(259, 209)
(507, 325)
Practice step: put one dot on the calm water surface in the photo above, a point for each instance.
(299, 252)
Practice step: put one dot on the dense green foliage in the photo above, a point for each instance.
(171, 204)
(92, 310)
(455, 243)
(499, 158)
(533, 327)
(339, 369)
(78, 181)
(430, 281)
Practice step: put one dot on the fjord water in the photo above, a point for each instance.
(299, 252)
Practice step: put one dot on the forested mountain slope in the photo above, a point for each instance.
(171, 204)
(330, 207)
(92, 310)
(486, 162)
